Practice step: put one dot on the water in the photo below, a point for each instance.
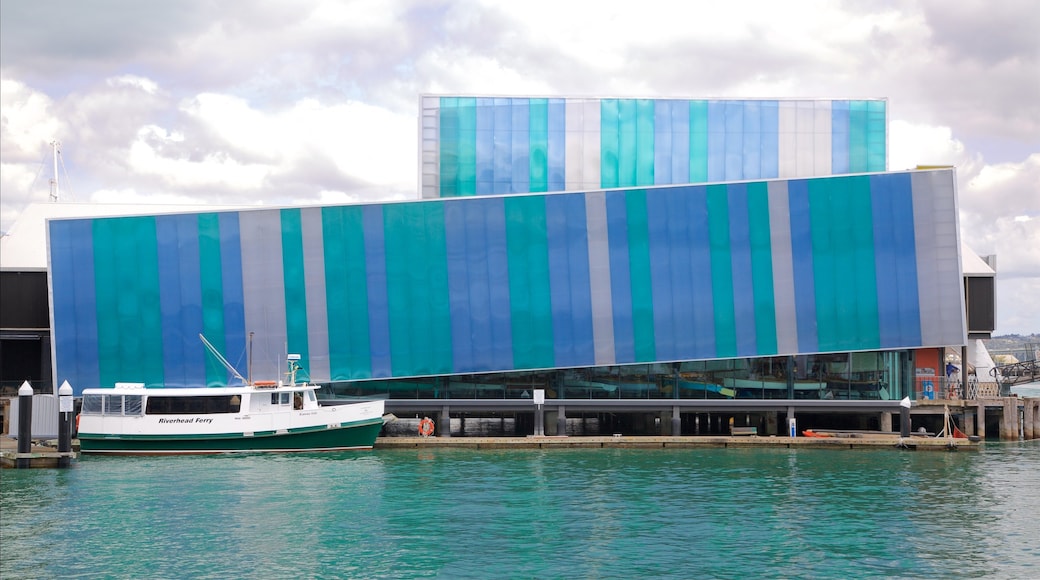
(591, 513)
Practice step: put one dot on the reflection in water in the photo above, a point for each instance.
(531, 513)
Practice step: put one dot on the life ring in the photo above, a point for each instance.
(426, 427)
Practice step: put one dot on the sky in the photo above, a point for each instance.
(317, 102)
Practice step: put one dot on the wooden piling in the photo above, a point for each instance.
(980, 418)
(1027, 420)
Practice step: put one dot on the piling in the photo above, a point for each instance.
(25, 401)
(980, 418)
(65, 413)
(1009, 420)
(904, 417)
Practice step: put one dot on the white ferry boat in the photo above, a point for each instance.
(265, 416)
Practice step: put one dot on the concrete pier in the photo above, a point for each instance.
(841, 441)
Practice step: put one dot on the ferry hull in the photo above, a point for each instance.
(357, 435)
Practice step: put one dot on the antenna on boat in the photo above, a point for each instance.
(249, 358)
(212, 349)
(56, 147)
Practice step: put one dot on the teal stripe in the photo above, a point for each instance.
(467, 146)
(832, 264)
(762, 268)
(458, 146)
(639, 270)
(448, 142)
(129, 317)
(721, 272)
(609, 143)
(867, 333)
(212, 280)
(346, 293)
(876, 136)
(539, 139)
(858, 131)
(698, 141)
(417, 289)
(529, 293)
(644, 142)
(295, 288)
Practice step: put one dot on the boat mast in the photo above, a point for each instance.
(56, 149)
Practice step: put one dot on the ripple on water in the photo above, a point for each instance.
(588, 513)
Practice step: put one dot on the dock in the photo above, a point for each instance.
(838, 441)
(38, 456)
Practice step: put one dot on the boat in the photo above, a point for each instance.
(261, 416)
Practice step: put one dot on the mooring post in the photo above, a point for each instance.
(904, 417)
(65, 413)
(25, 401)
(444, 419)
(1036, 418)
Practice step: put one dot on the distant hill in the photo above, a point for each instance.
(1023, 347)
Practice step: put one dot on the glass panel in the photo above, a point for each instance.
(132, 405)
(91, 405)
(113, 404)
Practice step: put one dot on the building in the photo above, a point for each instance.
(641, 303)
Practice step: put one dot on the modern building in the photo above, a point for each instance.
(634, 261)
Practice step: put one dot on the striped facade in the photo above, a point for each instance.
(483, 146)
(483, 284)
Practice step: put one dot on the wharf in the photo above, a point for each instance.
(850, 441)
(38, 456)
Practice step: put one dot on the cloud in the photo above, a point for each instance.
(316, 100)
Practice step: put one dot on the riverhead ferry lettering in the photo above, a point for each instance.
(187, 420)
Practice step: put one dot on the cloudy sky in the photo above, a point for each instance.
(311, 101)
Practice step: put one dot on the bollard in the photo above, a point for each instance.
(65, 413)
(904, 417)
(25, 401)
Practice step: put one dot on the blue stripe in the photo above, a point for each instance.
(802, 257)
(521, 146)
(478, 285)
(180, 299)
(485, 147)
(234, 298)
(669, 268)
(502, 160)
(701, 289)
(663, 142)
(899, 316)
(734, 140)
(569, 280)
(770, 124)
(620, 277)
(740, 258)
(716, 141)
(494, 224)
(680, 142)
(460, 295)
(74, 300)
(378, 299)
(751, 152)
(557, 144)
(839, 137)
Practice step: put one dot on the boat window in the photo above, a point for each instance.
(284, 398)
(274, 398)
(203, 405)
(113, 404)
(91, 404)
(132, 405)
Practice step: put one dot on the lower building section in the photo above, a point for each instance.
(852, 376)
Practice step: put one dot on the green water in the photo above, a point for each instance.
(595, 513)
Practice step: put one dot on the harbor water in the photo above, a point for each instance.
(577, 513)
